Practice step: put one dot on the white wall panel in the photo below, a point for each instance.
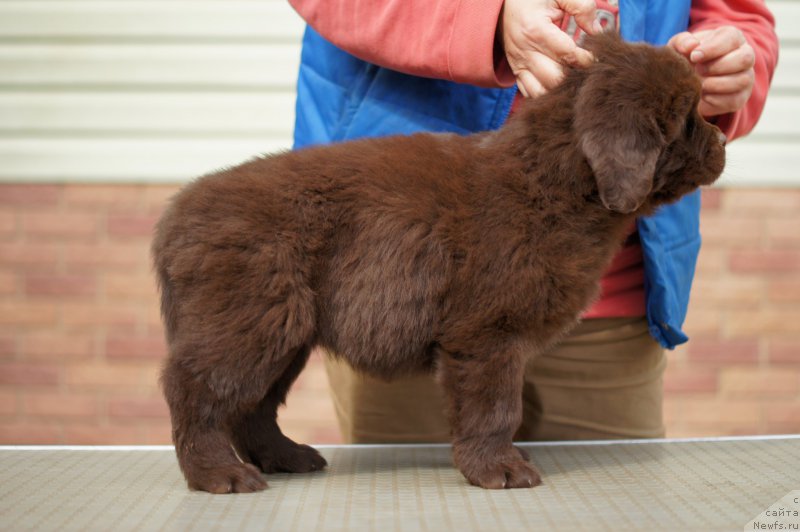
(128, 159)
(163, 90)
(148, 19)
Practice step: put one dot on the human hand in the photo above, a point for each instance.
(534, 44)
(724, 60)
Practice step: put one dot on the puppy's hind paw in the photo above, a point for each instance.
(232, 478)
(290, 457)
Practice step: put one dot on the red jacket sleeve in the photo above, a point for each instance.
(446, 39)
(758, 25)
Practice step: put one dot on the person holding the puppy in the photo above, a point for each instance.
(400, 67)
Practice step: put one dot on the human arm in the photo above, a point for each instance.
(455, 40)
(447, 39)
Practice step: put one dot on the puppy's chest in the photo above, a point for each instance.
(525, 286)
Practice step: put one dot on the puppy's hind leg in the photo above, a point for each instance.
(233, 338)
(258, 439)
(200, 436)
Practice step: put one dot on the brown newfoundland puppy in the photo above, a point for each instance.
(433, 252)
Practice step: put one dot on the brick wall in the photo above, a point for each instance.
(81, 342)
(740, 373)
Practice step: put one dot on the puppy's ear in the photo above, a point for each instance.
(619, 134)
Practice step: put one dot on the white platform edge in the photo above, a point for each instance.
(767, 437)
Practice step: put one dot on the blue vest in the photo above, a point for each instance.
(340, 97)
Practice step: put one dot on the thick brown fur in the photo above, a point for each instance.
(433, 251)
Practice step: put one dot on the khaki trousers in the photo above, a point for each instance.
(603, 381)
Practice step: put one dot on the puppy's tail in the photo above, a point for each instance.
(159, 251)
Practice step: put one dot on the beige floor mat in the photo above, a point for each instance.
(668, 485)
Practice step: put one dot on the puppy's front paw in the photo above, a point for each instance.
(231, 478)
(507, 470)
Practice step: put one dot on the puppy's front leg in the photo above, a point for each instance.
(485, 407)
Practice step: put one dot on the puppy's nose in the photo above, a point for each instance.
(722, 138)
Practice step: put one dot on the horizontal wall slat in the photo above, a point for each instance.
(787, 75)
(754, 163)
(750, 162)
(129, 66)
(787, 18)
(150, 19)
(125, 160)
(148, 113)
(149, 90)
(214, 113)
(781, 117)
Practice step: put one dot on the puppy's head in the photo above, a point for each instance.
(637, 124)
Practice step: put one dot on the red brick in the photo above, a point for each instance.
(103, 196)
(138, 408)
(314, 377)
(721, 292)
(703, 322)
(157, 197)
(722, 416)
(712, 260)
(114, 378)
(8, 283)
(8, 346)
(113, 256)
(677, 358)
(785, 291)
(8, 225)
(27, 313)
(718, 351)
(784, 351)
(711, 198)
(306, 411)
(30, 433)
(9, 403)
(783, 233)
(94, 315)
(690, 380)
(30, 195)
(760, 323)
(131, 225)
(695, 432)
(720, 229)
(155, 325)
(58, 346)
(97, 434)
(30, 255)
(22, 374)
(60, 225)
(326, 435)
(62, 285)
(782, 418)
(156, 433)
(135, 287)
(149, 383)
(759, 383)
(771, 202)
(764, 261)
(118, 347)
(59, 405)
